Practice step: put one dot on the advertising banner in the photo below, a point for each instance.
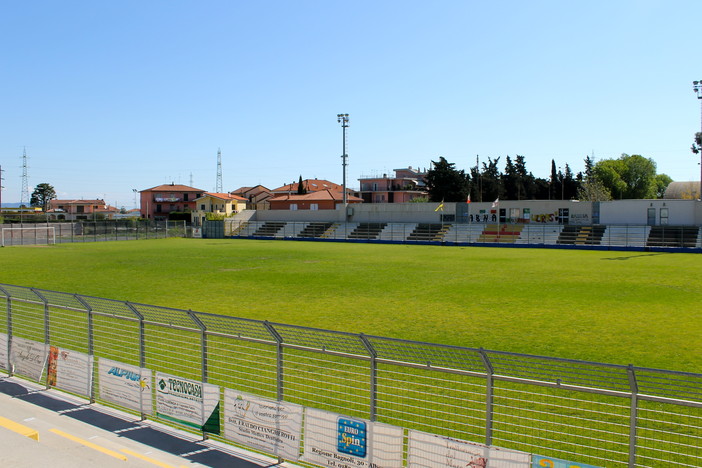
(70, 370)
(548, 462)
(432, 451)
(188, 402)
(125, 385)
(28, 357)
(267, 425)
(4, 363)
(344, 442)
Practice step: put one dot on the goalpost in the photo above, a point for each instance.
(27, 235)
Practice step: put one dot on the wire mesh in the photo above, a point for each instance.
(562, 423)
(589, 412)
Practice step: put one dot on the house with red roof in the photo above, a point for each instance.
(216, 205)
(72, 210)
(318, 200)
(168, 201)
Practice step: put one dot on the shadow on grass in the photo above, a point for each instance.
(634, 256)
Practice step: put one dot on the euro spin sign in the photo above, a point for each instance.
(352, 437)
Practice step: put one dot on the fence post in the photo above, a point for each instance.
(142, 350)
(280, 390)
(489, 395)
(47, 333)
(373, 376)
(203, 343)
(9, 328)
(633, 417)
(91, 343)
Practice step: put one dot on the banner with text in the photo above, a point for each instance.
(432, 451)
(344, 442)
(125, 385)
(267, 425)
(188, 402)
(4, 363)
(70, 370)
(548, 462)
(28, 357)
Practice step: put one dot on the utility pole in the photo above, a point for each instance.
(218, 185)
(343, 119)
(697, 87)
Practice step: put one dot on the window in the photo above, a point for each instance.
(202, 207)
(80, 209)
(185, 197)
(158, 208)
(293, 206)
(664, 216)
(314, 206)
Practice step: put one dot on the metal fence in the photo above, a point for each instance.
(601, 414)
(89, 231)
(594, 236)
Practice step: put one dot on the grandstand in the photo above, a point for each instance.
(602, 236)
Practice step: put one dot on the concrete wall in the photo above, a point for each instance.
(680, 212)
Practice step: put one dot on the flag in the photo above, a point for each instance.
(440, 207)
(496, 202)
(468, 199)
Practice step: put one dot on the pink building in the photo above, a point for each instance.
(407, 185)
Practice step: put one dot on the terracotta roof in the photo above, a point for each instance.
(317, 196)
(77, 202)
(222, 196)
(311, 185)
(172, 188)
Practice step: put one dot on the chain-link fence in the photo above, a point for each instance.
(89, 231)
(600, 414)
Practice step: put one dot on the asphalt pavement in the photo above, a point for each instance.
(74, 434)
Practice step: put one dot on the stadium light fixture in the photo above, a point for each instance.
(343, 119)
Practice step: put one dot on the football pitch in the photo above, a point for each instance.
(638, 308)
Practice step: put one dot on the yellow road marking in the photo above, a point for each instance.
(93, 446)
(145, 458)
(19, 428)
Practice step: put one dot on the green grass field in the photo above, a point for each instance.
(616, 307)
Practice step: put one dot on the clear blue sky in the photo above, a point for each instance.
(108, 96)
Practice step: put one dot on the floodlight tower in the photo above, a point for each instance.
(343, 119)
(697, 87)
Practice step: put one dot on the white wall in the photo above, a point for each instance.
(681, 212)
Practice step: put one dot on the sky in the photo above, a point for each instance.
(110, 96)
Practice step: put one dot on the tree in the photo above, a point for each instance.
(490, 179)
(697, 143)
(42, 195)
(301, 190)
(628, 177)
(446, 183)
(662, 183)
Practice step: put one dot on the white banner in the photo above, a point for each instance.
(28, 357)
(188, 402)
(432, 451)
(267, 425)
(4, 364)
(70, 370)
(125, 385)
(344, 442)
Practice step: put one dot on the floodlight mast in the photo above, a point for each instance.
(343, 119)
(697, 87)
